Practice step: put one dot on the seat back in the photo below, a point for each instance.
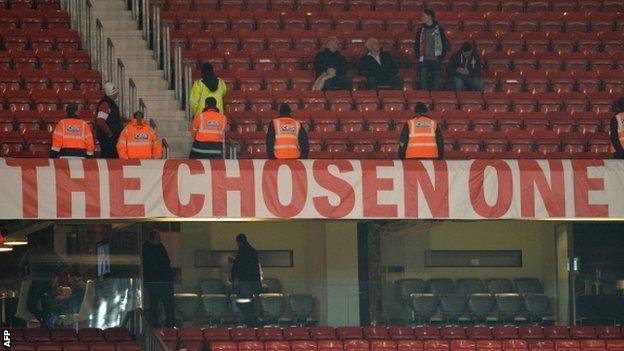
(470, 286)
(301, 305)
(212, 286)
(215, 305)
(499, 286)
(410, 286)
(528, 286)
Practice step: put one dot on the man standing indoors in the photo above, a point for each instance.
(158, 280)
(109, 122)
(246, 279)
(431, 46)
(421, 137)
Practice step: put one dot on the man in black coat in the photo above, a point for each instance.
(464, 69)
(379, 67)
(158, 280)
(617, 131)
(334, 65)
(246, 279)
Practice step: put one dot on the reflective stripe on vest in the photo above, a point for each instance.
(286, 138)
(422, 138)
(211, 127)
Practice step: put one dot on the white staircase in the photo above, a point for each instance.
(140, 65)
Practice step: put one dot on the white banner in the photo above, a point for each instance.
(349, 189)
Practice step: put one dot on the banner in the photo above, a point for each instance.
(341, 189)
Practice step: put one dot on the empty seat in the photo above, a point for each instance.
(36, 334)
(303, 345)
(453, 308)
(441, 286)
(401, 333)
(509, 307)
(424, 306)
(409, 286)
(480, 306)
(63, 335)
(90, 334)
(215, 307)
(427, 333)
(296, 333)
(187, 305)
(301, 307)
(556, 332)
(578, 332)
(478, 333)
(538, 308)
(376, 333)
(270, 334)
(609, 332)
(250, 346)
(322, 333)
(212, 286)
(243, 334)
(496, 286)
(528, 286)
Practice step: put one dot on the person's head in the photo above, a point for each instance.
(466, 49)
(110, 90)
(332, 44)
(138, 117)
(154, 237)
(372, 44)
(207, 70)
(211, 103)
(620, 104)
(72, 111)
(420, 108)
(284, 110)
(241, 239)
(428, 17)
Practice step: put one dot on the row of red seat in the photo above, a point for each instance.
(116, 334)
(34, 19)
(50, 100)
(394, 333)
(47, 5)
(48, 39)
(75, 346)
(44, 59)
(437, 5)
(33, 79)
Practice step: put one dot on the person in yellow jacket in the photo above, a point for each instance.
(617, 131)
(208, 86)
(72, 136)
(208, 131)
(421, 137)
(139, 140)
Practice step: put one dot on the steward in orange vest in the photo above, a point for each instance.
(617, 131)
(286, 139)
(72, 136)
(208, 130)
(421, 137)
(139, 140)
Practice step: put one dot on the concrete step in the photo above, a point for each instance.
(179, 147)
(128, 42)
(113, 23)
(150, 83)
(168, 115)
(109, 5)
(136, 63)
(161, 94)
(173, 127)
(154, 103)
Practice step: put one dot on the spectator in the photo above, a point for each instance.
(208, 131)
(246, 279)
(617, 131)
(44, 267)
(430, 48)
(464, 69)
(331, 66)
(139, 140)
(208, 86)
(72, 136)
(286, 139)
(71, 293)
(109, 122)
(158, 280)
(379, 67)
(421, 137)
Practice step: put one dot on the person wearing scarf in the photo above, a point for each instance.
(208, 86)
(430, 48)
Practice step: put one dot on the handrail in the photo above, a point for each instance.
(148, 338)
(177, 63)
(156, 30)
(99, 51)
(142, 107)
(133, 100)
(188, 78)
(145, 20)
(120, 84)
(110, 55)
(165, 145)
(89, 27)
(167, 54)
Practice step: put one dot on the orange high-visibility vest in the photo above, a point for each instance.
(620, 129)
(209, 126)
(73, 137)
(422, 138)
(139, 142)
(286, 138)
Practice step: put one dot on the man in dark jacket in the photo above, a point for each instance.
(430, 48)
(302, 138)
(379, 67)
(109, 122)
(158, 280)
(246, 278)
(331, 63)
(617, 131)
(464, 69)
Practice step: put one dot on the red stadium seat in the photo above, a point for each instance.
(535, 121)
(593, 345)
(577, 332)
(601, 102)
(401, 333)
(525, 22)
(515, 345)
(508, 121)
(497, 102)
(536, 81)
(547, 142)
(525, 61)
(277, 345)
(323, 333)
(456, 121)
(26, 121)
(36, 334)
(499, 22)
(127, 346)
(452, 333)
(339, 100)
(470, 101)
(563, 43)
(562, 82)
(573, 143)
(328, 344)
(365, 100)
(223, 346)
(117, 334)
(444, 100)
(549, 102)
(610, 332)
(613, 81)
(303, 345)
(243, 334)
(383, 345)
(410, 345)
(615, 345)
(297, 333)
(427, 333)
(271, 334)
(511, 81)
(530, 333)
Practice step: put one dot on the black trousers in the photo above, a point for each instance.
(245, 292)
(160, 292)
(40, 293)
(108, 146)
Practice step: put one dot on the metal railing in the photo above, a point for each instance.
(133, 99)
(97, 55)
(165, 144)
(188, 81)
(147, 337)
(121, 86)
(110, 58)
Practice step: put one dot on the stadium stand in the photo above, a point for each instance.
(533, 53)
(42, 69)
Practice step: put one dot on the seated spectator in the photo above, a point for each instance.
(379, 67)
(331, 67)
(464, 69)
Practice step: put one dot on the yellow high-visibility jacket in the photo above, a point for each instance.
(200, 92)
